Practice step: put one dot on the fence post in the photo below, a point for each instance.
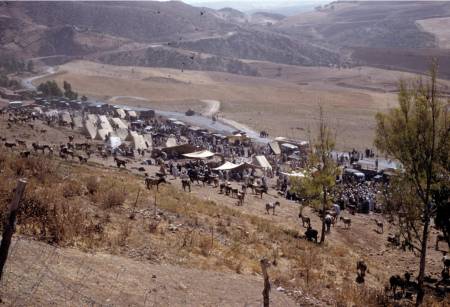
(264, 265)
(9, 223)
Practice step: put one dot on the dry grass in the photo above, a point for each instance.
(94, 214)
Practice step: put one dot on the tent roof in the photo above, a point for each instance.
(295, 174)
(121, 113)
(227, 166)
(119, 123)
(203, 154)
(275, 147)
(181, 149)
(262, 161)
(290, 146)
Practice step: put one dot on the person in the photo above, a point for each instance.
(328, 221)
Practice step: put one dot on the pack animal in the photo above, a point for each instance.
(272, 206)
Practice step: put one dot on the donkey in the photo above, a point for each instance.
(271, 206)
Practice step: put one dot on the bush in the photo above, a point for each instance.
(92, 185)
(112, 197)
(72, 188)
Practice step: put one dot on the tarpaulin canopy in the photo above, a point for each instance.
(227, 166)
(294, 174)
(231, 166)
(203, 154)
(275, 147)
(262, 161)
(290, 146)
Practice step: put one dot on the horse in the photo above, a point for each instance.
(240, 197)
(271, 206)
(260, 190)
(305, 220)
(150, 182)
(10, 145)
(361, 268)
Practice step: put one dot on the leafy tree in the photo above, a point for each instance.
(68, 91)
(322, 171)
(417, 134)
(50, 88)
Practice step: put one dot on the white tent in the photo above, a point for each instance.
(227, 166)
(102, 134)
(262, 161)
(203, 154)
(138, 140)
(90, 129)
(294, 174)
(132, 114)
(104, 123)
(92, 117)
(65, 117)
(122, 134)
(121, 113)
(120, 124)
(289, 146)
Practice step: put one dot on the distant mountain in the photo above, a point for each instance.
(174, 34)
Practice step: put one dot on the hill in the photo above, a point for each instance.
(371, 31)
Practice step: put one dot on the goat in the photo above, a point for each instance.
(311, 234)
(120, 162)
(347, 221)
(271, 206)
(305, 220)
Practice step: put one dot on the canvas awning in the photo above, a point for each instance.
(275, 147)
(294, 174)
(203, 154)
(290, 146)
(262, 161)
(227, 166)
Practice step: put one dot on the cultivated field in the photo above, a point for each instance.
(284, 100)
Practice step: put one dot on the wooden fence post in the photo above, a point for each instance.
(264, 265)
(9, 223)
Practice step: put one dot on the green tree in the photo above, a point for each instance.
(68, 91)
(416, 133)
(50, 88)
(322, 170)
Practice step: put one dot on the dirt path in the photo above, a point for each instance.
(212, 107)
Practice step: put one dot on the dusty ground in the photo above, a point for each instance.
(73, 277)
(283, 101)
(69, 277)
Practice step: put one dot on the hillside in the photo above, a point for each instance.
(371, 31)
